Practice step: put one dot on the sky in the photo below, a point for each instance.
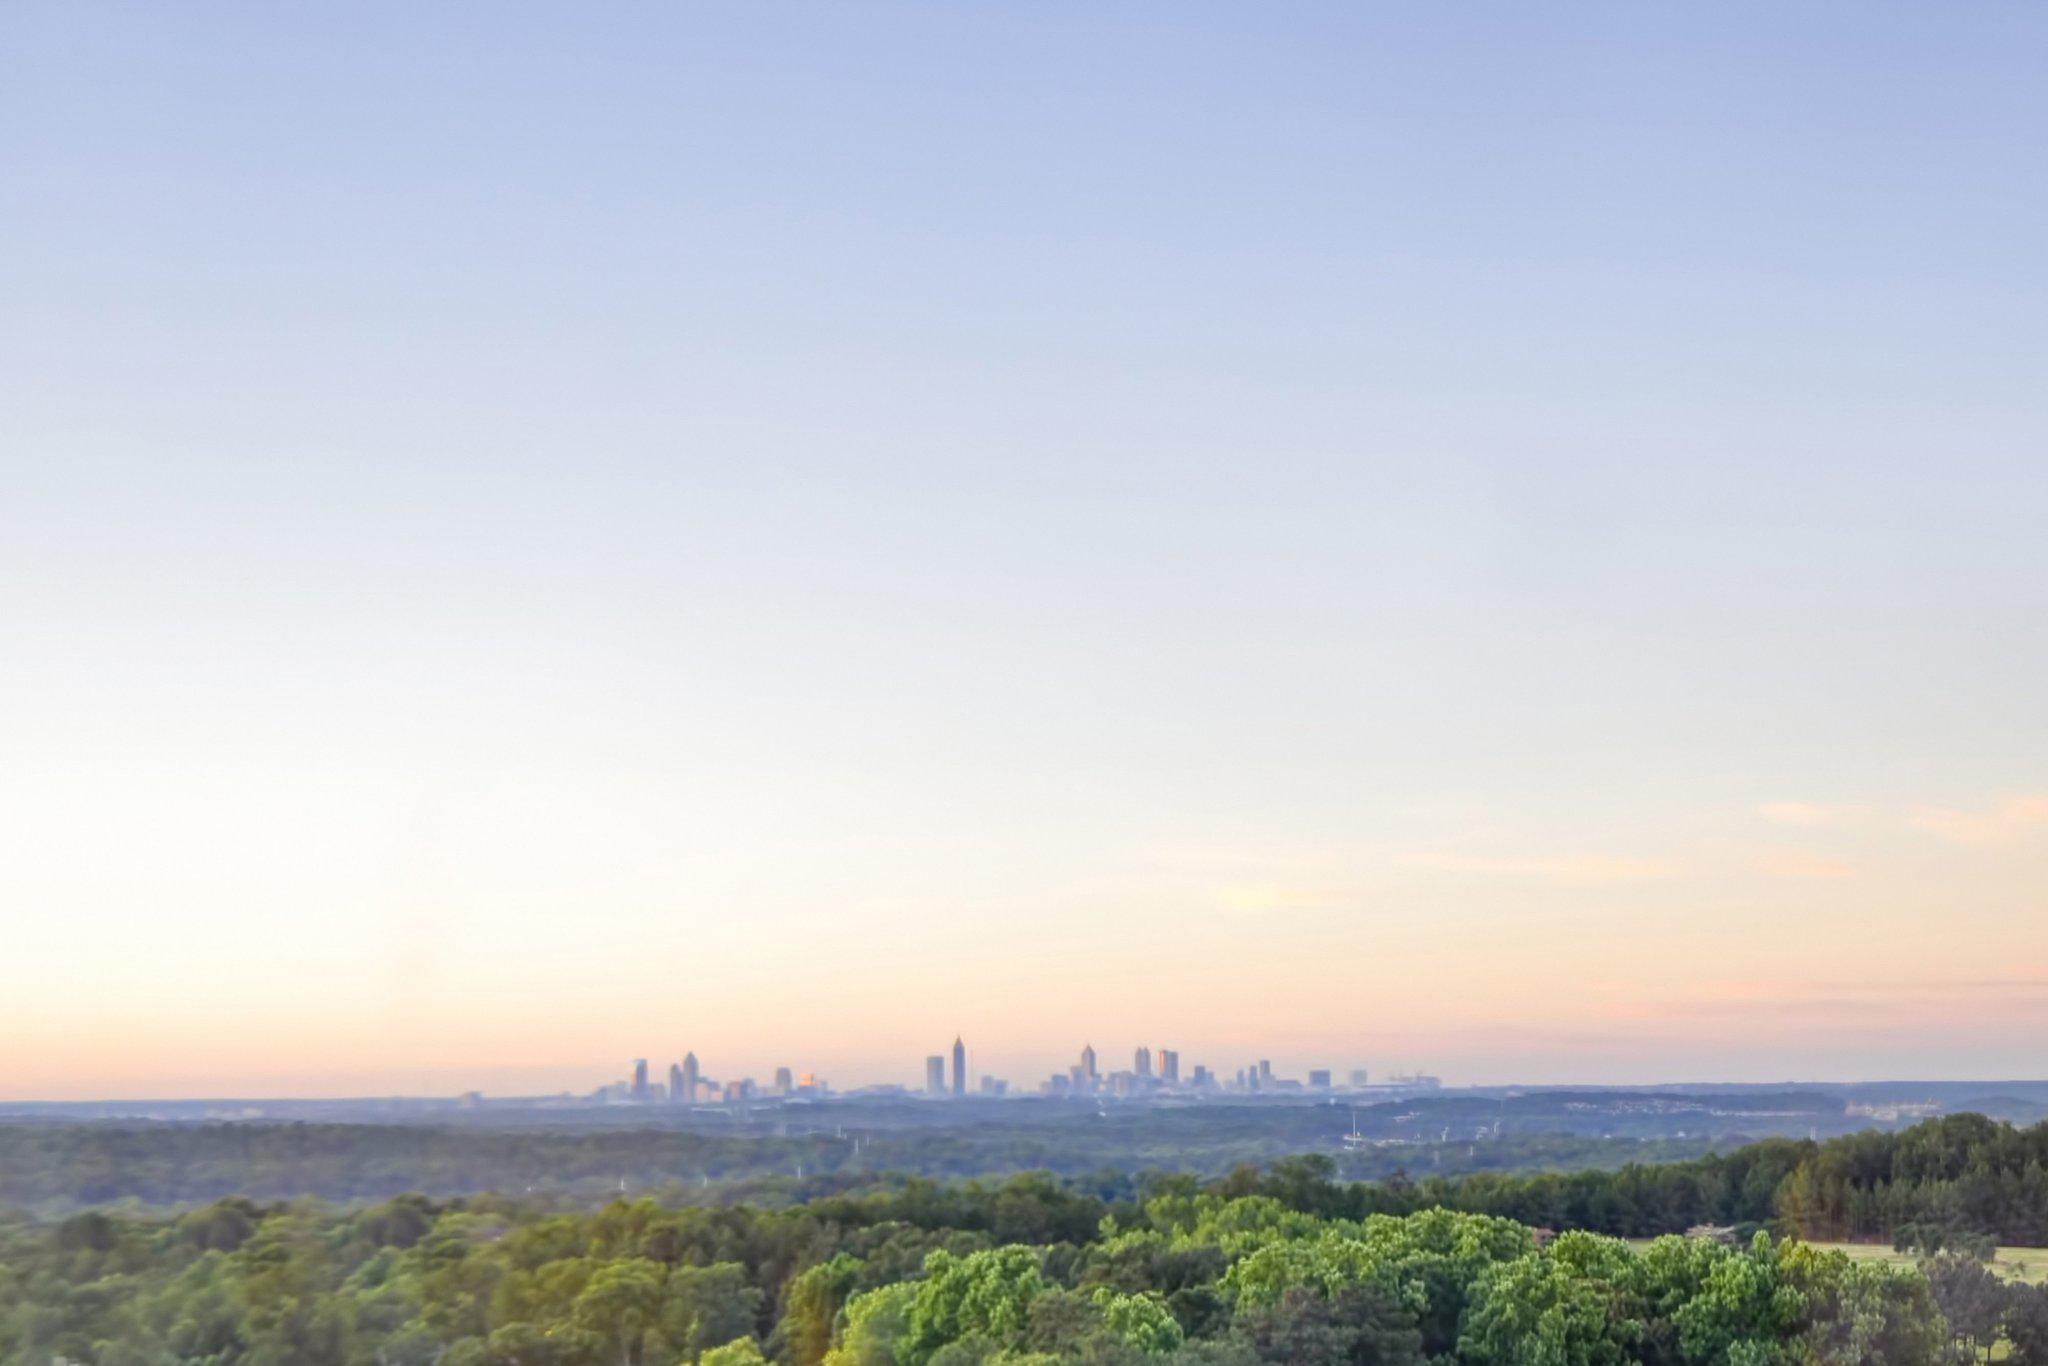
(1503, 541)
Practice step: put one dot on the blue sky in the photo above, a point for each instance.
(1362, 509)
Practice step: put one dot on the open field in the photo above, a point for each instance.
(2028, 1265)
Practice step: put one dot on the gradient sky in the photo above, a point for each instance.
(1503, 540)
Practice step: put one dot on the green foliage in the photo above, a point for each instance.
(1279, 1267)
(1970, 1298)
(1141, 1321)
(739, 1352)
(1863, 1313)
(1961, 1182)
(876, 1321)
(986, 1295)
(811, 1301)
(2026, 1326)
(1358, 1326)
(710, 1304)
(1535, 1313)
(1427, 1262)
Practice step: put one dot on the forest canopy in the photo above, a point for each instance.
(1284, 1264)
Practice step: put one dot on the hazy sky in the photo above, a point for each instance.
(1503, 540)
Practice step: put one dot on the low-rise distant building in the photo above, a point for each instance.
(1414, 1081)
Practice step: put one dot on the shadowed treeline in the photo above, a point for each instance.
(1964, 1173)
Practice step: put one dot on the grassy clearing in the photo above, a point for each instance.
(2027, 1265)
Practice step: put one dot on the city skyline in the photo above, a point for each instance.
(1517, 539)
(947, 1077)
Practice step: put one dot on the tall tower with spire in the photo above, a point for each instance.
(1088, 1073)
(689, 1078)
(959, 1067)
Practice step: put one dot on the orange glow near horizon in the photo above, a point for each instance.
(1758, 958)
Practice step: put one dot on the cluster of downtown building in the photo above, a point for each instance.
(1151, 1074)
(1159, 1073)
(687, 1085)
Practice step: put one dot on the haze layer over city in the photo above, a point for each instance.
(1506, 546)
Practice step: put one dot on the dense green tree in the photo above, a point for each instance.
(1863, 1313)
(739, 1352)
(708, 1306)
(1573, 1304)
(1723, 1305)
(1971, 1299)
(1141, 1321)
(1358, 1326)
(810, 1305)
(985, 1295)
(2026, 1325)
(875, 1322)
(1428, 1262)
(621, 1304)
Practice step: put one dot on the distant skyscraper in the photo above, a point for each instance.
(690, 1078)
(1143, 1064)
(1265, 1072)
(1319, 1079)
(639, 1078)
(1088, 1073)
(959, 1067)
(1169, 1067)
(1359, 1077)
(935, 1075)
(785, 1081)
(676, 1093)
